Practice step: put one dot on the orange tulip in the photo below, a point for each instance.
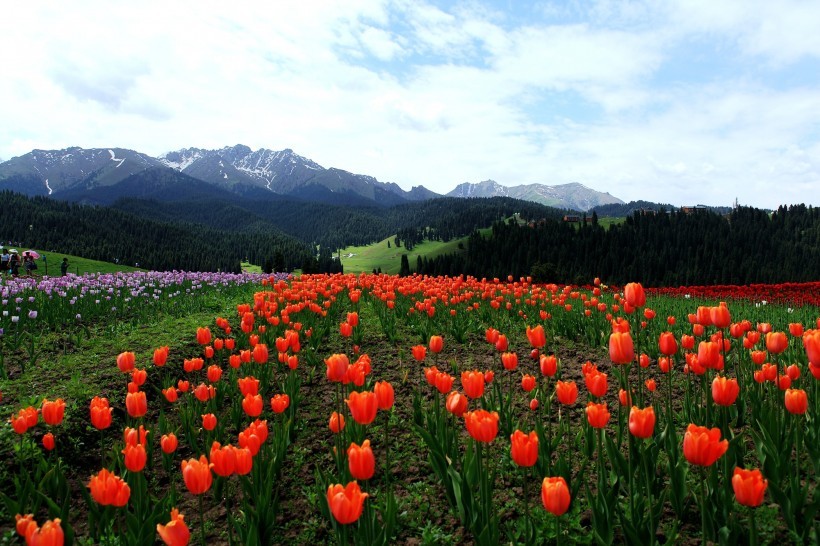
(567, 392)
(361, 461)
(136, 404)
(456, 403)
(175, 532)
(776, 342)
(444, 382)
(708, 354)
(252, 405)
(548, 365)
(50, 534)
(243, 463)
(363, 406)
(197, 475)
(749, 486)
(223, 459)
(473, 383)
(385, 395)
(209, 421)
(501, 344)
(687, 342)
(436, 344)
(642, 422)
(524, 448)
(704, 316)
(171, 394)
(596, 383)
(337, 422)
(720, 316)
(133, 436)
(135, 457)
(337, 367)
(597, 414)
(161, 356)
(758, 357)
(346, 503)
(536, 336)
(509, 360)
(667, 343)
(346, 329)
(125, 361)
(53, 411)
(811, 342)
(214, 373)
(796, 329)
(796, 401)
(48, 441)
(203, 336)
(260, 353)
(702, 446)
(108, 489)
(204, 392)
(724, 391)
(279, 403)
(528, 382)
(169, 443)
(482, 425)
(419, 352)
(23, 523)
(621, 349)
(555, 495)
(634, 294)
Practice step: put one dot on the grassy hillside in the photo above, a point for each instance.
(357, 259)
(51, 261)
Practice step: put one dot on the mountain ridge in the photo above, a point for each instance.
(76, 173)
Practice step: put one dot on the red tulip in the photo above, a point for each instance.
(337, 365)
(524, 448)
(346, 503)
(385, 395)
(482, 425)
(702, 446)
(50, 534)
(419, 352)
(48, 441)
(456, 403)
(509, 360)
(536, 336)
(642, 422)
(548, 365)
(567, 392)
(596, 383)
(361, 461)
(473, 383)
(597, 414)
(776, 342)
(209, 421)
(337, 422)
(724, 391)
(279, 403)
(749, 486)
(169, 443)
(528, 382)
(125, 361)
(175, 532)
(53, 411)
(252, 405)
(223, 459)
(621, 349)
(555, 495)
(197, 475)
(796, 401)
(135, 457)
(203, 336)
(811, 342)
(667, 343)
(136, 404)
(436, 344)
(634, 294)
(108, 489)
(363, 406)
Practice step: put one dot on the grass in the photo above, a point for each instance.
(49, 262)
(357, 259)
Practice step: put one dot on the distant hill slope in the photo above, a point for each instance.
(573, 196)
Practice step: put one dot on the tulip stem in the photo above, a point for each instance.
(703, 507)
(527, 507)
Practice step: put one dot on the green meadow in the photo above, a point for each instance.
(358, 259)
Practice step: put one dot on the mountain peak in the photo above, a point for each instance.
(573, 195)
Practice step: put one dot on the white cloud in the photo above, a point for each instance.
(418, 94)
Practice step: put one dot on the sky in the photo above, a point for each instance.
(674, 101)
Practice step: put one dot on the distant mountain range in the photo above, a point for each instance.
(103, 175)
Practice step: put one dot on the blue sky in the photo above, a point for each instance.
(673, 101)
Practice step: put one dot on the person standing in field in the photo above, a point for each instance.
(64, 267)
(14, 264)
(4, 261)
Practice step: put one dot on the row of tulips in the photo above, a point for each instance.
(683, 441)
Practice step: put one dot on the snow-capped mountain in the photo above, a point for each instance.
(570, 196)
(102, 175)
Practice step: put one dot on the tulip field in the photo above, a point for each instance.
(175, 408)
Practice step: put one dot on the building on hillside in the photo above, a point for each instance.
(572, 218)
(696, 208)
